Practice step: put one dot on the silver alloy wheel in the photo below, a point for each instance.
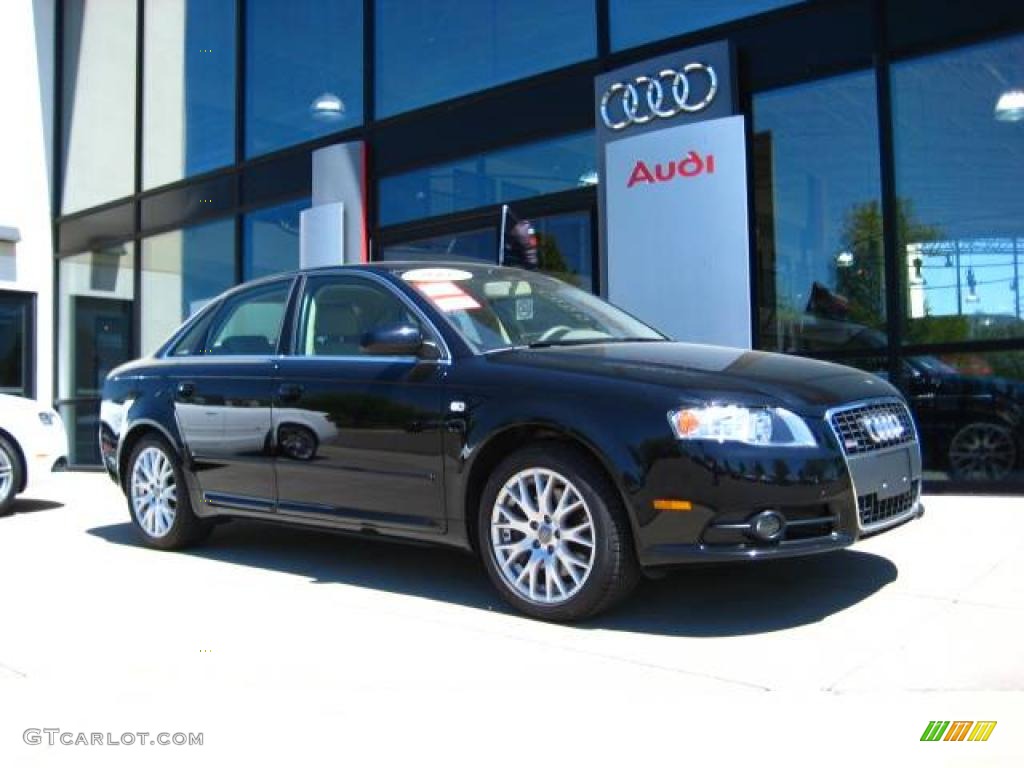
(982, 451)
(154, 492)
(6, 474)
(542, 536)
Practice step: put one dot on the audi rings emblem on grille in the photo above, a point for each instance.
(665, 95)
(882, 427)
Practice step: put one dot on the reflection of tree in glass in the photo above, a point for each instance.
(552, 262)
(863, 281)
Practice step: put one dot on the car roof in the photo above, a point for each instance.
(378, 267)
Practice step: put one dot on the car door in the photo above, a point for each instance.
(223, 399)
(357, 435)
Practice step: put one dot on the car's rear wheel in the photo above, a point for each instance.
(12, 473)
(158, 497)
(554, 535)
(982, 451)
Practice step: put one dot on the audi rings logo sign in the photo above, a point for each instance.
(667, 94)
(882, 427)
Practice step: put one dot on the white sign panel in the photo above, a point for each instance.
(322, 236)
(677, 230)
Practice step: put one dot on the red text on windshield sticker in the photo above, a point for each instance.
(447, 296)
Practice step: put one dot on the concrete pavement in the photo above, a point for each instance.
(934, 608)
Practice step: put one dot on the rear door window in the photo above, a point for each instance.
(250, 323)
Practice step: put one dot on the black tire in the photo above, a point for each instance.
(615, 570)
(13, 458)
(982, 451)
(186, 529)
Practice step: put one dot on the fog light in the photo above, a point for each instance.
(768, 525)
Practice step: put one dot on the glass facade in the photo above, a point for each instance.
(304, 71)
(564, 247)
(959, 186)
(818, 216)
(432, 50)
(16, 332)
(886, 171)
(474, 245)
(635, 22)
(272, 240)
(98, 134)
(488, 179)
(188, 120)
(181, 272)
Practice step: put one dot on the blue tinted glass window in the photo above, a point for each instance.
(433, 50)
(511, 174)
(565, 249)
(635, 22)
(272, 240)
(181, 271)
(189, 78)
(817, 200)
(960, 186)
(304, 71)
(475, 245)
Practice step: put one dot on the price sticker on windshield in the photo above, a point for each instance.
(447, 296)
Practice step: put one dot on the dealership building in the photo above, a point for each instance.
(836, 178)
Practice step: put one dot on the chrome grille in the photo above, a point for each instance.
(854, 435)
(874, 510)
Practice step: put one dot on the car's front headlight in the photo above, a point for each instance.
(753, 426)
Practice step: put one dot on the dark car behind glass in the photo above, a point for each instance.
(572, 447)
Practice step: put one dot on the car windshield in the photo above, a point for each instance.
(495, 307)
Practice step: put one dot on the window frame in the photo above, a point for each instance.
(27, 301)
(213, 316)
(302, 293)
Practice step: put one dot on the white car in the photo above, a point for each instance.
(33, 444)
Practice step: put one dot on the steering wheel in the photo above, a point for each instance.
(555, 332)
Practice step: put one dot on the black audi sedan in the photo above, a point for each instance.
(497, 410)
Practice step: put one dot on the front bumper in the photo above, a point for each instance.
(46, 452)
(825, 499)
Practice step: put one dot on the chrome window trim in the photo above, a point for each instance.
(915, 509)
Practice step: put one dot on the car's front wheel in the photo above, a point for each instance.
(554, 536)
(11, 475)
(158, 497)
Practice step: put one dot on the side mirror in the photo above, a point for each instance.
(401, 339)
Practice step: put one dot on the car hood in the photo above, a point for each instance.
(709, 372)
(13, 403)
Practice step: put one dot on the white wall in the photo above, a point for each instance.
(26, 130)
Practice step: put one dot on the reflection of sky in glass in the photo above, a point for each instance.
(824, 160)
(210, 85)
(207, 263)
(509, 174)
(994, 264)
(640, 21)
(432, 50)
(299, 55)
(272, 240)
(961, 171)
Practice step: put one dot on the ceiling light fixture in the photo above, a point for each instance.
(1010, 107)
(327, 107)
